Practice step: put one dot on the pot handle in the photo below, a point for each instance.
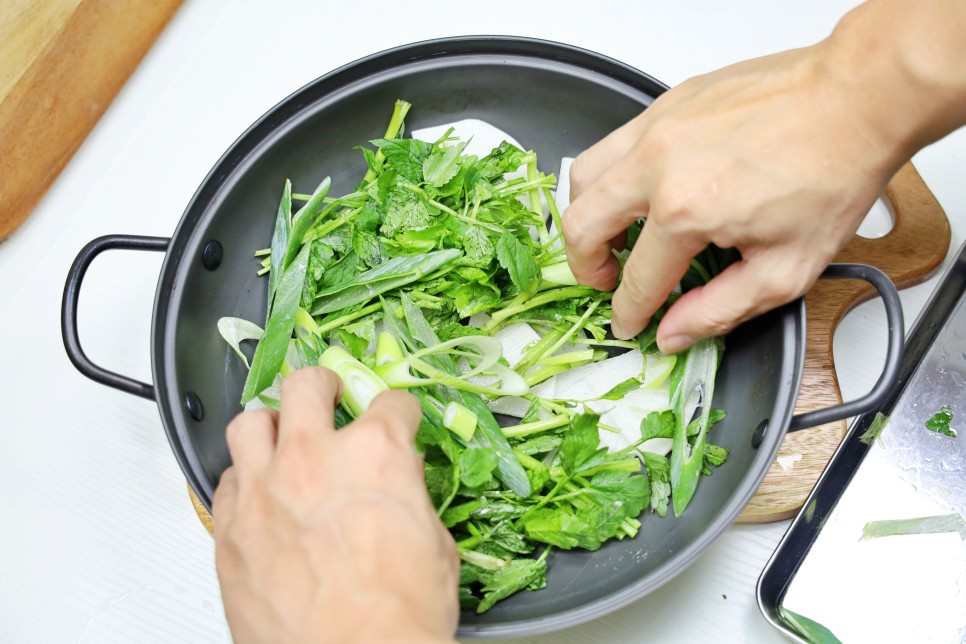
(890, 372)
(68, 313)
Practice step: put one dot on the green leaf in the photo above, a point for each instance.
(442, 164)
(875, 428)
(539, 444)
(809, 629)
(620, 390)
(514, 577)
(621, 489)
(387, 276)
(358, 336)
(441, 482)
(341, 272)
(456, 514)
(715, 454)
(939, 423)
(489, 434)
(478, 247)
(658, 424)
(368, 248)
(405, 211)
(659, 476)
(563, 528)
(476, 465)
(305, 219)
(271, 349)
(580, 449)
(371, 162)
(474, 298)
(457, 330)
(283, 226)
(406, 156)
(517, 260)
(371, 217)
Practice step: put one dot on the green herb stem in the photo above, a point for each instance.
(526, 429)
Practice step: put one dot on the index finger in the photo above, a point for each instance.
(307, 403)
(598, 216)
(657, 263)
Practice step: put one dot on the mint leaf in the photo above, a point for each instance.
(406, 156)
(517, 260)
(939, 423)
(515, 576)
(659, 476)
(476, 465)
(579, 449)
(442, 164)
(658, 424)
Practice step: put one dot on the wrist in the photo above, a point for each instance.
(900, 66)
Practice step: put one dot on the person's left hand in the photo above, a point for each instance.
(330, 536)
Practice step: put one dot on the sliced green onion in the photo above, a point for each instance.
(235, 331)
(360, 384)
(460, 420)
(657, 369)
(559, 273)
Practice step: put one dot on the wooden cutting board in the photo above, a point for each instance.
(62, 62)
(908, 254)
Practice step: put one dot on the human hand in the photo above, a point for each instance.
(330, 536)
(775, 157)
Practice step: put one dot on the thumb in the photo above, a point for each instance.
(744, 290)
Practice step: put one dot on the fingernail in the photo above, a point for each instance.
(675, 343)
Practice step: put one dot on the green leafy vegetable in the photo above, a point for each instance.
(812, 631)
(875, 428)
(918, 525)
(939, 423)
(379, 285)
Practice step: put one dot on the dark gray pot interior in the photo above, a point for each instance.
(555, 99)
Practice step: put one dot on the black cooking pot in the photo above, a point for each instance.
(557, 100)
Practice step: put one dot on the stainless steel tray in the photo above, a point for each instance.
(909, 588)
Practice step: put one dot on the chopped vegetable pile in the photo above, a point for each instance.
(439, 274)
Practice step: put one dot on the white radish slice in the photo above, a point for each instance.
(510, 405)
(592, 381)
(626, 415)
(515, 340)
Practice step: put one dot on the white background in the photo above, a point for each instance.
(99, 541)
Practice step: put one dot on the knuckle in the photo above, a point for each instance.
(310, 377)
(242, 424)
(579, 179)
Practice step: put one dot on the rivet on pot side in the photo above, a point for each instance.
(212, 255)
(759, 434)
(193, 404)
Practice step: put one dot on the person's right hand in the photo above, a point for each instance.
(768, 156)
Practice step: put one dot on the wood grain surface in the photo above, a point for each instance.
(911, 251)
(62, 62)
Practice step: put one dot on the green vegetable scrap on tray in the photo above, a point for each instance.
(939, 423)
(439, 274)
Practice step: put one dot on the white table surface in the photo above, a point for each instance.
(99, 541)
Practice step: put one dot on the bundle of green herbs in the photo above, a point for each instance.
(422, 278)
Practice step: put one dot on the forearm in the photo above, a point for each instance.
(905, 60)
